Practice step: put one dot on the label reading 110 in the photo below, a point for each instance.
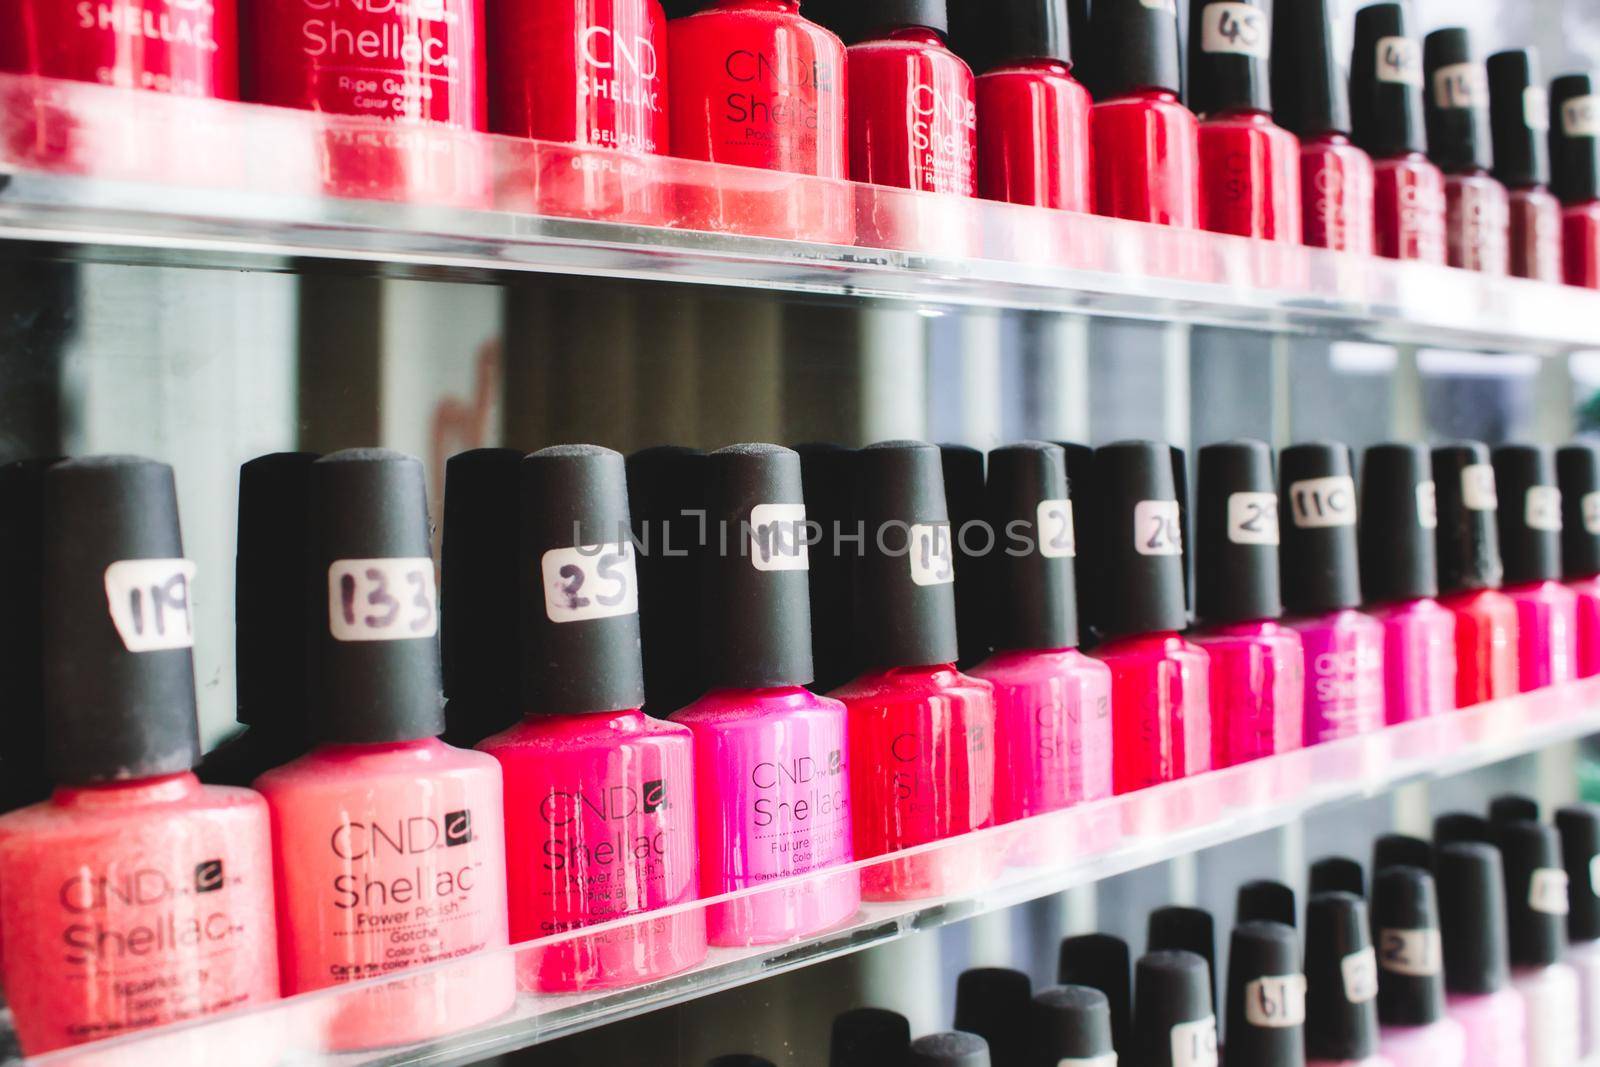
(1323, 502)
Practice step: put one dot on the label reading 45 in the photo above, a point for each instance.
(149, 603)
(382, 599)
(589, 582)
(1239, 29)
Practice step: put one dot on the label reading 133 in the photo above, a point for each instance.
(382, 599)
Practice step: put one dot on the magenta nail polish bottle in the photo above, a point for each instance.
(1579, 826)
(1341, 984)
(1477, 969)
(1537, 904)
(1257, 681)
(772, 783)
(1415, 1030)
(1470, 574)
(1321, 582)
(1578, 477)
(1530, 542)
(1399, 579)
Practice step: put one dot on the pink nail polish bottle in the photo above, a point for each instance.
(1257, 665)
(389, 843)
(1399, 579)
(1470, 573)
(1530, 542)
(1537, 903)
(1579, 826)
(24, 779)
(1415, 1030)
(600, 804)
(135, 896)
(772, 788)
(1578, 478)
(1341, 984)
(1477, 969)
(1321, 584)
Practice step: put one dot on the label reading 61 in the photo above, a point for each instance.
(589, 582)
(149, 603)
(382, 599)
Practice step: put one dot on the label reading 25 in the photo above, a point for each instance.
(589, 582)
(382, 599)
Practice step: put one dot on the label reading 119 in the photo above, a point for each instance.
(1156, 528)
(933, 559)
(1239, 29)
(382, 599)
(1322, 502)
(589, 582)
(149, 603)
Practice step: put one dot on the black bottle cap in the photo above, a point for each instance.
(1579, 826)
(1456, 98)
(1237, 515)
(1032, 596)
(857, 20)
(1386, 84)
(270, 613)
(1135, 45)
(23, 778)
(1405, 925)
(953, 1049)
(1456, 827)
(1103, 962)
(1513, 807)
(1089, 583)
(375, 661)
(580, 595)
(666, 498)
(1309, 94)
(1266, 901)
(1574, 150)
(1472, 918)
(995, 1003)
(905, 607)
(1398, 519)
(869, 1037)
(479, 596)
(1536, 892)
(1338, 874)
(1317, 525)
(117, 631)
(1266, 997)
(964, 495)
(1184, 929)
(1530, 521)
(828, 474)
(1401, 850)
(1137, 540)
(1578, 477)
(1519, 118)
(1068, 1022)
(1341, 979)
(1468, 538)
(1228, 56)
(994, 33)
(740, 1059)
(1172, 988)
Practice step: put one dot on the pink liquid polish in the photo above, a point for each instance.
(1537, 902)
(1575, 174)
(1477, 208)
(1579, 826)
(1341, 984)
(1578, 478)
(1399, 579)
(1530, 539)
(1470, 574)
(1415, 1030)
(599, 797)
(1519, 119)
(1477, 967)
(85, 957)
(389, 843)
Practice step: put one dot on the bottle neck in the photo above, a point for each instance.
(906, 34)
(161, 789)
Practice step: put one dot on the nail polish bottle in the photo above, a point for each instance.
(1321, 582)
(1537, 903)
(1249, 166)
(1257, 664)
(666, 499)
(170, 46)
(1399, 579)
(1266, 1000)
(1415, 1030)
(1575, 174)
(134, 896)
(1266, 901)
(1337, 874)
(1052, 703)
(1530, 538)
(1477, 971)
(1456, 827)
(772, 783)
(1341, 984)
(1513, 807)
(1070, 1025)
(868, 1037)
(1144, 142)
(1579, 826)
(600, 803)
(963, 494)
(1160, 695)
(1401, 850)
(1178, 928)
(953, 1049)
(996, 1004)
(1519, 119)
(1386, 119)
(1470, 574)
(24, 778)
(382, 832)
(921, 733)
(1176, 1024)
(1578, 478)
(1102, 962)
(1456, 101)
(827, 473)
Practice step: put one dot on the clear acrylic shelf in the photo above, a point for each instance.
(945, 882)
(132, 176)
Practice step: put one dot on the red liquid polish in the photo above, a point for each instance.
(1519, 119)
(1575, 171)
(1530, 539)
(1470, 574)
(1477, 210)
(184, 47)
(1578, 477)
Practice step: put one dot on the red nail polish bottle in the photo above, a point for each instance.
(1311, 100)
(1519, 118)
(171, 46)
(1578, 476)
(1456, 96)
(1144, 142)
(1386, 120)
(1470, 574)
(1575, 170)
(1530, 540)
(1249, 166)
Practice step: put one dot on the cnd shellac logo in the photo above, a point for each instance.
(655, 796)
(457, 828)
(208, 876)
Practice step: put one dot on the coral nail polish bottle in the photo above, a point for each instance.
(1175, 1024)
(827, 474)
(1579, 826)
(1519, 119)
(1052, 703)
(183, 47)
(1321, 582)
(1415, 1031)
(921, 734)
(1144, 142)
(599, 797)
(1160, 683)
(1456, 97)
(1311, 100)
(1470, 574)
(134, 896)
(1266, 998)
(772, 788)
(1578, 478)
(389, 843)
(1399, 579)
(1537, 902)
(1530, 538)
(1249, 166)
(1341, 984)
(24, 779)
(1257, 664)
(1386, 119)
(1575, 174)
(1477, 968)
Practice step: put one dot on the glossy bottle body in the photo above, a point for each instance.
(1580, 244)
(1257, 691)
(1146, 157)
(772, 801)
(1160, 709)
(1496, 1025)
(170, 46)
(1552, 997)
(1033, 136)
(913, 115)
(1486, 645)
(1419, 659)
(600, 824)
(1343, 675)
(1336, 195)
(1584, 958)
(1409, 208)
(1250, 175)
(1547, 634)
(1440, 1044)
(1477, 221)
(1535, 229)
(1587, 592)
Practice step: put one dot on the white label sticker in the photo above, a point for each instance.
(1253, 518)
(1239, 29)
(1156, 529)
(1399, 60)
(1594, 874)
(1169, 6)
(1547, 891)
(1461, 85)
(778, 537)
(1591, 512)
(1058, 538)
(1321, 502)
(1107, 1060)
(1543, 508)
(1416, 953)
(1477, 487)
(1276, 1001)
(382, 599)
(1536, 108)
(149, 603)
(1428, 505)
(933, 560)
(1360, 970)
(589, 582)
(1195, 1044)
(1580, 116)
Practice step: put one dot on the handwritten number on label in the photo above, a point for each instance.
(382, 599)
(589, 582)
(149, 603)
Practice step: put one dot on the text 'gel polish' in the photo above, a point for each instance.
(1456, 98)
(1537, 904)
(1470, 573)
(1575, 174)
(1415, 1030)
(1477, 968)
(170, 46)
(1519, 119)
(1530, 536)
(1341, 984)
(1578, 478)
